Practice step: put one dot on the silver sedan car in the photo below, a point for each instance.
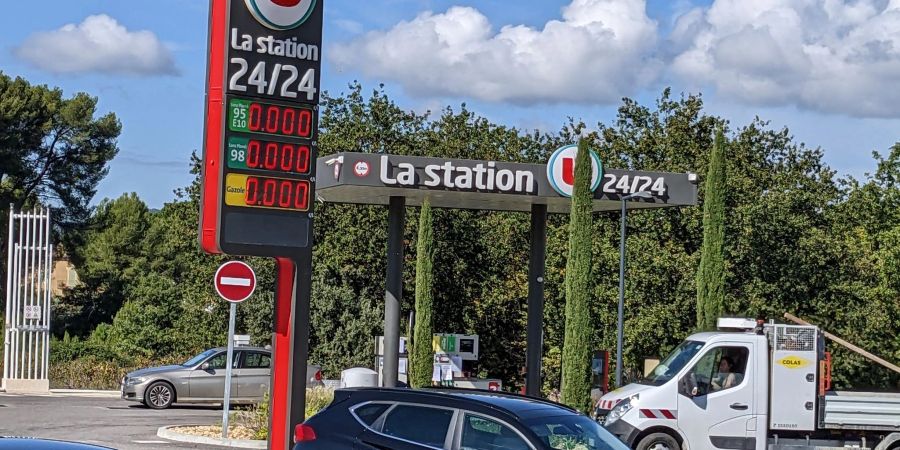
(201, 379)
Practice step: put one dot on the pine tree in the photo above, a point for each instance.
(576, 389)
(421, 358)
(711, 274)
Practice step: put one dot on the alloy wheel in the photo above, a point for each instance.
(160, 395)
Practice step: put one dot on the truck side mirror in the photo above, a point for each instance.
(687, 386)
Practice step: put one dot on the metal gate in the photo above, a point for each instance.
(27, 333)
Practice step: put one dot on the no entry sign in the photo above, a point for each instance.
(235, 281)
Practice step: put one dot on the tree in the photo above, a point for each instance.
(576, 387)
(53, 152)
(109, 264)
(711, 274)
(422, 356)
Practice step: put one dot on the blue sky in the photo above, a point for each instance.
(827, 70)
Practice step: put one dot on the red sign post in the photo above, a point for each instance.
(235, 282)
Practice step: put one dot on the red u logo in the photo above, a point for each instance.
(568, 171)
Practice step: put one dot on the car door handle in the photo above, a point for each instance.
(739, 406)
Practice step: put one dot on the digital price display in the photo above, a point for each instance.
(244, 153)
(267, 192)
(269, 155)
(260, 117)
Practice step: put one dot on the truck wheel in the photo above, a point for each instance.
(658, 441)
(159, 395)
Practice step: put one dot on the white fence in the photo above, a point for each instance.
(29, 268)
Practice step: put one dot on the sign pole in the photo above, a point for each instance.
(228, 370)
(280, 387)
(535, 331)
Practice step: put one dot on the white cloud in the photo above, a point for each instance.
(98, 44)
(832, 56)
(600, 51)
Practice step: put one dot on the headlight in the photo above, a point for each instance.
(619, 410)
(134, 381)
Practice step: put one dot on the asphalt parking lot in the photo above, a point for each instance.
(98, 420)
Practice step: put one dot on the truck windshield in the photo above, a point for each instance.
(673, 363)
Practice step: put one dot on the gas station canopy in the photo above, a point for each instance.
(372, 179)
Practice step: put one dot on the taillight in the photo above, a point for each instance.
(304, 433)
(318, 376)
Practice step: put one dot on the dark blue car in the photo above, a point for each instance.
(412, 419)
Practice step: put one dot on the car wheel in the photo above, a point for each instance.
(159, 395)
(658, 441)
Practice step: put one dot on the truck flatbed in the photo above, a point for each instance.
(861, 411)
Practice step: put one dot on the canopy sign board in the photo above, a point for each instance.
(366, 178)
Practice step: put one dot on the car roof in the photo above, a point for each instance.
(522, 406)
(27, 443)
(242, 347)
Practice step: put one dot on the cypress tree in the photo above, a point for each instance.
(576, 389)
(421, 358)
(711, 274)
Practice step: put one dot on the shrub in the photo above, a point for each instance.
(317, 399)
(256, 418)
(94, 373)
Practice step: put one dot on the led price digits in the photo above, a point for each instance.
(278, 156)
(277, 193)
(283, 121)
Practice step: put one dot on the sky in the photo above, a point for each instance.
(829, 70)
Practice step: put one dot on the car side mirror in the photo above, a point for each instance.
(204, 366)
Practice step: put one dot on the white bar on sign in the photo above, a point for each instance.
(232, 281)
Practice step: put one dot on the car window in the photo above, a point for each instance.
(573, 432)
(218, 361)
(256, 360)
(197, 359)
(419, 424)
(719, 369)
(481, 433)
(369, 413)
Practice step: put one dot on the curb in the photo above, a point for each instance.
(86, 393)
(166, 433)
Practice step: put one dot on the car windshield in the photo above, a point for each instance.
(574, 432)
(673, 363)
(197, 359)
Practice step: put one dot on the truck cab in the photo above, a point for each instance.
(705, 393)
(749, 386)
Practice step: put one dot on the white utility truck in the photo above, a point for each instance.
(749, 386)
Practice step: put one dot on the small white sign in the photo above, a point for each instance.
(32, 312)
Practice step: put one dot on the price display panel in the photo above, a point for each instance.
(269, 158)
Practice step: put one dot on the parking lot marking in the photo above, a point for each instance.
(151, 442)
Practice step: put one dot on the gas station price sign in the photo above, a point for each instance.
(262, 127)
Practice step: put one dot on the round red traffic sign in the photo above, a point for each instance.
(235, 281)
